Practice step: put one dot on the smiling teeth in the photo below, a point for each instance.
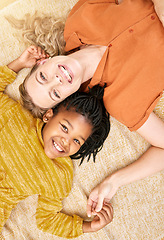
(66, 73)
(57, 147)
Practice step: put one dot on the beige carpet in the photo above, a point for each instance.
(4, 3)
(138, 207)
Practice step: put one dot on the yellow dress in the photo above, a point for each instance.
(26, 170)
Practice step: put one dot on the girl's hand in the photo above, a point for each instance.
(30, 56)
(102, 194)
(101, 219)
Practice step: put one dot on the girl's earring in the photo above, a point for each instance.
(45, 119)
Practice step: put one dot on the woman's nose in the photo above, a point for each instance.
(54, 82)
(59, 79)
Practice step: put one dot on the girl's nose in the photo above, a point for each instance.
(65, 141)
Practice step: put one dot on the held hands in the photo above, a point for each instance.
(101, 219)
(101, 194)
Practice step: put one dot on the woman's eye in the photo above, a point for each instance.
(64, 128)
(77, 141)
(42, 76)
(56, 94)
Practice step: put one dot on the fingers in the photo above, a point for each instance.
(99, 203)
(106, 214)
(109, 211)
(41, 52)
(32, 49)
(38, 52)
(100, 195)
(89, 207)
(94, 206)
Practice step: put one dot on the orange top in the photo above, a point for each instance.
(133, 65)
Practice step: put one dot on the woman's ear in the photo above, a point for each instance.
(42, 61)
(48, 115)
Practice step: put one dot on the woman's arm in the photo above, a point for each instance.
(151, 162)
(27, 59)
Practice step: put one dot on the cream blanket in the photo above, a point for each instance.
(138, 207)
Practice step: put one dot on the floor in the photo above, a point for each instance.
(4, 3)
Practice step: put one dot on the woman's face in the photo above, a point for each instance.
(54, 80)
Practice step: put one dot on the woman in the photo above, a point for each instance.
(127, 55)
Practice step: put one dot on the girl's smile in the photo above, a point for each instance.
(59, 149)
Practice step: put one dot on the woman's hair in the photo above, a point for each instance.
(91, 106)
(42, 30)
(48, 33)
(27, 101)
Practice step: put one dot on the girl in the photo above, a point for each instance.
(34, 153)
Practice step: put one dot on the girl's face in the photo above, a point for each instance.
(54, 80)
(65, 133)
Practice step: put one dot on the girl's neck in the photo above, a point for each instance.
(89, 57)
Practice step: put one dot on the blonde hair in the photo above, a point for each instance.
(47, 32)
(27, 101)
(42, 30)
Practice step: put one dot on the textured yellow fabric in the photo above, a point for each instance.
(26, 170)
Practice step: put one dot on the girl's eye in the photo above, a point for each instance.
(64, 128)
(77, 141)
(42, 76)
(56, 94)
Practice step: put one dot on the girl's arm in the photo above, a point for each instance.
(151, 162)
(50, 219)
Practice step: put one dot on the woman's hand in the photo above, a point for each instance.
(28, 58)
(31, 55)
(102, 194)
(101, 219)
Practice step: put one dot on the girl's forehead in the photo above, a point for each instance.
(72, 115)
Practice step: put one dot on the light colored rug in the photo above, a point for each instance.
(138, 207)
(4, 3)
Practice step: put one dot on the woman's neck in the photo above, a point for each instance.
(89, 57)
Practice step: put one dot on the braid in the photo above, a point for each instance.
(91, 106)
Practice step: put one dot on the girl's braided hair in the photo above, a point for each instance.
(92, 107)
